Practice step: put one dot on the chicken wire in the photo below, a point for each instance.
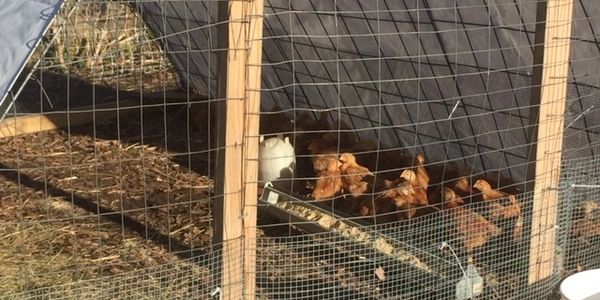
(339, 264)
(412, 76)
(584, 230)
(112, 193)
(451, 79)
(333, 266)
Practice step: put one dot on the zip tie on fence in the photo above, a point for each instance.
(215, 292)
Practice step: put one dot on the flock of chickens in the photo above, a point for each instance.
(403, 186)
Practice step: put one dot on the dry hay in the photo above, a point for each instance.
(75, 207)
(104, 199)
(108, 44)
(379, 244)
(182, 279)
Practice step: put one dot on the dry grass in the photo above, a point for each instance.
(84, 211)
(107, 43)
(74, 207)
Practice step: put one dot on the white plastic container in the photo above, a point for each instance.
(582, 285)
(277, 161)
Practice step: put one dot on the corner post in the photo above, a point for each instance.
(548, 100)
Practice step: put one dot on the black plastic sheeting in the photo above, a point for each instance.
(396, 69)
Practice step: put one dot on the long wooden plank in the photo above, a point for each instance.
(14, 126)
(232, 279)
(253, 81)
(553, 94)
(19, 125)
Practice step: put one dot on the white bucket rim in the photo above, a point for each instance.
(582, 285)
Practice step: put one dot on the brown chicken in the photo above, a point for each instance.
(439, 193)
(402, 194)
(474, 229)
(329, 181)
(591, 210)
(365, 152)
(502, 206)
(355, 178)
(504, 184)
(588, 224)
(419, 191)
(463, 188)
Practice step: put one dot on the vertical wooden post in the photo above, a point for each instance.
(238, 162)
(253, 84)
(231, 162)
(547, 148)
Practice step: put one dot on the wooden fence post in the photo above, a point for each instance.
(547, 119)
(253, 84)
(235, 217)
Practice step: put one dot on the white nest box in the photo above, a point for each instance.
(276, 160)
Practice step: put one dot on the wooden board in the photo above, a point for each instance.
(253, 81)
(54, 120)
(232, 157)
(549, 131)
(14, 126)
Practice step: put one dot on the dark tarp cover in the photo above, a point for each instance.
(422, 59)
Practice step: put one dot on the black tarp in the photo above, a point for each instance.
(448, 77)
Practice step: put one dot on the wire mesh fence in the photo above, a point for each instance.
(107, 167)
(583, 230)
(185, 279)
(363, 90)
(394, 153)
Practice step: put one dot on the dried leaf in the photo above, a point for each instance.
(380, 273)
